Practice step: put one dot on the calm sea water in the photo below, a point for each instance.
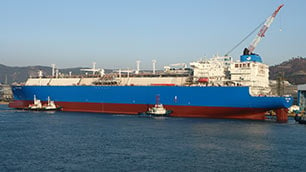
(64, 141)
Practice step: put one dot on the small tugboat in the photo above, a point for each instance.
(51, 106)
(158, 109)
(37, 105)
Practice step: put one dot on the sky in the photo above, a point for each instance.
(116, 33)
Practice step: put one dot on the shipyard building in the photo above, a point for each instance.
(302, 97)
(5, 93)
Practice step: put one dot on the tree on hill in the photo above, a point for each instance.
(294, 70)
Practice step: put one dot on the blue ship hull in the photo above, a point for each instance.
(183, 101)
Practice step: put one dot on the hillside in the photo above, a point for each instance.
(10, 74)
(294, 70)
(20, 74)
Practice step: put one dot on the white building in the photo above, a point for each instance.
(302, 97)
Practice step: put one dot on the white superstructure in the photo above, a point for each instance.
(253, 74)
(214, 70)
(224, 71)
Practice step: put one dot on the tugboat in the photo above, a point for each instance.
(51, 106)
(158, 109)
(37, 105)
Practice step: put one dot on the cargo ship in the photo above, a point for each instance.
(214, 88)
(183, 101)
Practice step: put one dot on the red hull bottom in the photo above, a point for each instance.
(178, 111)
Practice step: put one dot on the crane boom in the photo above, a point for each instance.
(262, 31)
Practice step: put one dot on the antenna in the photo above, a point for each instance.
(138, 66)
(53, 69)
(56, 73)
(119, 73)
(154, 66)
(40, 74)
(93, 67)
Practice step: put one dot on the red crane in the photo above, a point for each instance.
(262, 32)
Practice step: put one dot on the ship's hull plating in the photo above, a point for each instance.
(210, 102)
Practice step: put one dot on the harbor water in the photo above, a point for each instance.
(70, 141)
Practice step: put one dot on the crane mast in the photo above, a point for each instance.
(261, 33)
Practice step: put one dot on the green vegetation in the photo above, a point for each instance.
(293, 70)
